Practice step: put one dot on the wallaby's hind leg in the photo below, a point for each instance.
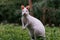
(31, 36)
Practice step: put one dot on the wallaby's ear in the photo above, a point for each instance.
(28, 7)
(22, 6)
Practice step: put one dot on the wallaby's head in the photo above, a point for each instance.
(25, 10)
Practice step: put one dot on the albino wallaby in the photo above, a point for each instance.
(35, 27)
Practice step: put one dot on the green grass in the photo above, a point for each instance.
(11, 32)
(53, 33)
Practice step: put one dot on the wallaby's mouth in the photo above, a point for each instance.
(25, 14)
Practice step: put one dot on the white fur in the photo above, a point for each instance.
(35, 24)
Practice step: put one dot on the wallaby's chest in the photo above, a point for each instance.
(24, 20)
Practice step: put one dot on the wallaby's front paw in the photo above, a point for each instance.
(23, 28)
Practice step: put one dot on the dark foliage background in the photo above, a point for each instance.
(10, 11)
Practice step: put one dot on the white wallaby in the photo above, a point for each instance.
(34, 25)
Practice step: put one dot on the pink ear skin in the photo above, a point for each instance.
(22, 6)
(28, 7)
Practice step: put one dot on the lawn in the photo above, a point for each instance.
(12, 32)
